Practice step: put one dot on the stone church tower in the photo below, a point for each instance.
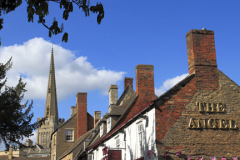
(51, 110)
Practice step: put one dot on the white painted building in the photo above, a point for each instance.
(135, 139)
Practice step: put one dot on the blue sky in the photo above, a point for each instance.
(96, 56)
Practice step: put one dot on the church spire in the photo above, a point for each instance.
(51, 108)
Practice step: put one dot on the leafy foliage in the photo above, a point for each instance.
(40, 8)
(15, 118)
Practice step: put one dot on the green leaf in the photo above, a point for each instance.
(65, 37)
(70, 7)
(50, 34)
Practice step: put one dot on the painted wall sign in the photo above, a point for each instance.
(198, 123)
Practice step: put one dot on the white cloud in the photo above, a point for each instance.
(169, 83)
(73, 74)
(33, 138)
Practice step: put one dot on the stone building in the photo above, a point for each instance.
(75, 127)
(197, 118)
(51, 110)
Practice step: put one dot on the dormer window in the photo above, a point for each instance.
(101, 130)
(109, 124)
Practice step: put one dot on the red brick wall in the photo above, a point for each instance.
(128, 81)
(90, 122)
(170, 110)
(81, 113)
(202, 59)
(144, 88)
(144, 84)
(173, 132)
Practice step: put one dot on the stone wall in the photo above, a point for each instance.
(62, 144)
(218, 137)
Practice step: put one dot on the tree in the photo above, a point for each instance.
(40, 8)
(15, 118)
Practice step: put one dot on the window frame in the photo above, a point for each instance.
(72, 135)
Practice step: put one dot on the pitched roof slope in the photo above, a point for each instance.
(78, 144)
(63, 124)
(123, 120)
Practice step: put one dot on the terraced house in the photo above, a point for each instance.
(198, 117)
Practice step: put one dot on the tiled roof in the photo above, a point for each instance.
(128, 105)
(63, 124)
(116, 110)
(128, 120)
(120, 109)
(127, 89)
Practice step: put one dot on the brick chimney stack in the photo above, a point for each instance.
(145, 83)
(113, 96)
(202, 59)
(97, 117)
(128, 81)
(81, 107)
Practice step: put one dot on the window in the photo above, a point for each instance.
(69, 135)
(140, 138)
(101, 130)
(109, 124)
(117, 141)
